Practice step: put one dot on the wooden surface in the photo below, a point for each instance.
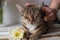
(50, 38)
(4, 39)
(47, 38)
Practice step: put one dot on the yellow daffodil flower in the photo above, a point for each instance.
(17, 33)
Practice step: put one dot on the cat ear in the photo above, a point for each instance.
(43, 3)
(40, 6)
(20, 8)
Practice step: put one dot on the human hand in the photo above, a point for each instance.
(50, 15)
(27, 4)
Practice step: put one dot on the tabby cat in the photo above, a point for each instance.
(32, 21)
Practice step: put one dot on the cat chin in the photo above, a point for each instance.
(30, 26)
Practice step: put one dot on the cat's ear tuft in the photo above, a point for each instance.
(43, 3)
(20, 8)
(40, 6)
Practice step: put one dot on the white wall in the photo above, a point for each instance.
(22, 2)
(10, 13)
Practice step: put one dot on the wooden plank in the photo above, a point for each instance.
(4, 39)
(50, 38)
(53, 30)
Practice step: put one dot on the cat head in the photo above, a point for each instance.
(31, 13)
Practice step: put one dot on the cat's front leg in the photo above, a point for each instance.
(26, 33)
(37, 33)
(34, 36)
